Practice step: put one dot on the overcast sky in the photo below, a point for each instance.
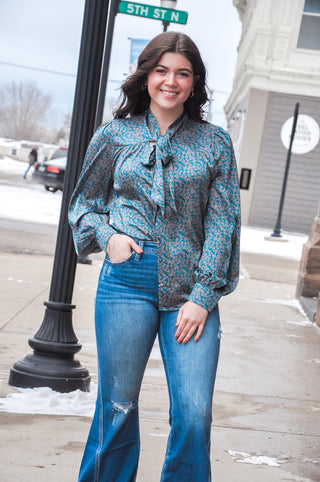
(46, 35)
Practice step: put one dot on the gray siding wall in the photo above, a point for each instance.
(303, 187)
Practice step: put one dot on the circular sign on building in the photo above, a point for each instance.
(306, 137)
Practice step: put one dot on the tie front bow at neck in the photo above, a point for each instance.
(161, 156)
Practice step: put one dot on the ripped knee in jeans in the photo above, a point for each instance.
(125, 407)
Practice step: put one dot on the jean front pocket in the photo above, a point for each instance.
(120, 263)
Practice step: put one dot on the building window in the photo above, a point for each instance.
(309, 35)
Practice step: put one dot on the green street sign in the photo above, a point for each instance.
(156, 13)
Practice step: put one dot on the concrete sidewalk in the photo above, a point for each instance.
(267, 398)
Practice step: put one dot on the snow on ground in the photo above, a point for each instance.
(46, 401)
(11, 166)
(293, 303)
(253, 240)
(32, 203)
(12, 143)
(40, 207)
(26, 201)
(245, 458)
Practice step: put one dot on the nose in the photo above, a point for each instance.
(170, 79)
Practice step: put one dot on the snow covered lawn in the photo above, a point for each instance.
(23, 200)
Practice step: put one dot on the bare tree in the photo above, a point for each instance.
(23, 110)
(61, 135)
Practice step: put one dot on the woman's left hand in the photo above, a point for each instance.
(191, 319)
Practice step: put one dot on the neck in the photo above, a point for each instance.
(165, 119)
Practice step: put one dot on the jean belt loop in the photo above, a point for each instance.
(137, 256)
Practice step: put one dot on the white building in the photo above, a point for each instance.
(278, 65)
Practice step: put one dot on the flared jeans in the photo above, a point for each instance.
(127, 321)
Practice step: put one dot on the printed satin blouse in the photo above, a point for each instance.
(179, 189)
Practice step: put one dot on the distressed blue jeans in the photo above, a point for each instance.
(127, 322)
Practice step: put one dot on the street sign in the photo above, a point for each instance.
(156, 13)
(306, 137)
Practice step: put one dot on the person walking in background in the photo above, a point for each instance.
(158, 193)
(33, 157)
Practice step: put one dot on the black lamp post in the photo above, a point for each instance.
(171, 4)
(277, 229)
(52, 363)
(113, 10)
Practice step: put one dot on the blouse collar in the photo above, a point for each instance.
(154, 129)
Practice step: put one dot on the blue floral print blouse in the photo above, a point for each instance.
(179, 189)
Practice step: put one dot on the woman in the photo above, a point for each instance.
(159, 194)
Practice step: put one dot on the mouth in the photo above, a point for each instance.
(169, 93)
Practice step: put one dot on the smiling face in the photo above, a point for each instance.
(169, 85)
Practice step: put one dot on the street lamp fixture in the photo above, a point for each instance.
(171, 4)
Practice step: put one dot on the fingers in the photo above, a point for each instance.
(179, 317)
(186, 334)
(120, 246)
(135, 246)
(122, 241)
(186, 331)
(199, 332)
(191, 320)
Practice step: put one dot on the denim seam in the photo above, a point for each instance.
(164, 358)
(170, 391)
(99, 450)
(130, 442)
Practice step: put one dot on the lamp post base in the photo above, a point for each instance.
(61, 374)
(52, 363)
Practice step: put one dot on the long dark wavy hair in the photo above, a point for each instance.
(136, 100)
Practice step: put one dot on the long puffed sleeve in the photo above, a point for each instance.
(88, 209)
(217, 273)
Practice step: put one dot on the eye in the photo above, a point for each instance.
(161, 71)
(184, 74)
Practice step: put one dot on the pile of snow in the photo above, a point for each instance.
(245, 458)
(257, 240)
(46, 401)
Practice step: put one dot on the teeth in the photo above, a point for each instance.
(169, 93)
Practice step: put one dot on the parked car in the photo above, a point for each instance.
(61, 152)
(51, 173)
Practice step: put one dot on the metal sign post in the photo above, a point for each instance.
(277, 229)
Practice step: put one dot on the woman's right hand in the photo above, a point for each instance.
(120, 246)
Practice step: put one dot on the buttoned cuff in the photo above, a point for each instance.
(204, 296)
(103, 234)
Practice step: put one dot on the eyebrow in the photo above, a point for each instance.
(179, 70)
